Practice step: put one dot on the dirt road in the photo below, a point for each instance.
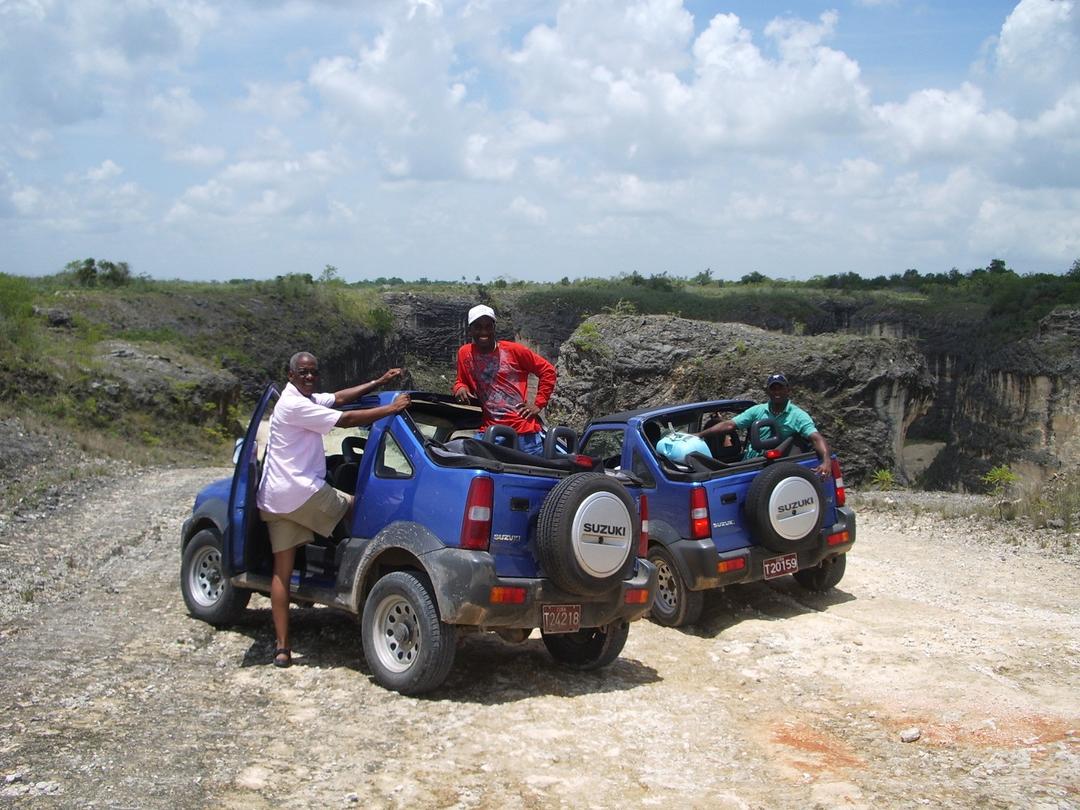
(113, 697)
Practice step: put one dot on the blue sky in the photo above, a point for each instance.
(534, 140)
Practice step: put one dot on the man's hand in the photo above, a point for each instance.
(401, 401)
(463, 394)
(824, 469)
(526, 410)
(392, 374)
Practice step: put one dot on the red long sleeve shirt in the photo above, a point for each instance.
(500, 380)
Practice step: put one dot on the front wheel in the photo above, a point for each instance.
(674, 604)
(823, 576)
(208, 593)
(591, 648)
(409, 649)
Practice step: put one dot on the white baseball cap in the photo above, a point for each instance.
(481, 311)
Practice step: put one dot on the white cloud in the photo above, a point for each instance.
(1038, 48)
(74, 58)
(940, 124)
(90, 201)
(198, 155)
(623, 132)
(281, 102)
(173, 113)
(1041, 225)
(262, 190)
(106, 171)
(522, 209)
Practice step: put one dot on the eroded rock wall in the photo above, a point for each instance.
(863, 393)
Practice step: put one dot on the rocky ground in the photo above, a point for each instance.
(942, 672)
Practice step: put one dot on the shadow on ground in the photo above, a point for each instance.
(487, 670)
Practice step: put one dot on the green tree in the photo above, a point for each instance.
(85, 272)
(114, 274)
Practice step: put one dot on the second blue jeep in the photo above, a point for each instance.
(717, 518)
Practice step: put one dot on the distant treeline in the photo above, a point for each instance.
(1010, 302)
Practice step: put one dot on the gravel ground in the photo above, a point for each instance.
(956, 633)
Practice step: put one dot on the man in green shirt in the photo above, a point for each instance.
(790, 418)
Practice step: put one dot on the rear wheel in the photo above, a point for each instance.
(674, 605)
(823, 576)
(409, 649)
(590, 648)
(208, 593)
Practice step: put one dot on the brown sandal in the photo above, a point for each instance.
(282, 657)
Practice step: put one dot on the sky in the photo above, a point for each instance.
(539, 139)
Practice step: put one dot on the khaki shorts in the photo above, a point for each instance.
(319, 514)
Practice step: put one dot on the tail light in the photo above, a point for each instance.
(734, 564)
(476, 525)
(699, 515)
(841, 496)
(643, 541)
(507, 596)
(773, 455)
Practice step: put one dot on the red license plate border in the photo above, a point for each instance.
(560, 618)
(780, 566)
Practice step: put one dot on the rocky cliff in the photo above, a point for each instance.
(862, 392)
(991, 400)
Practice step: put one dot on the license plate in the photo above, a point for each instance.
(779, 566)
(561, 618)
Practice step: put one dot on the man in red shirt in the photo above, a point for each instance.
(496, 373)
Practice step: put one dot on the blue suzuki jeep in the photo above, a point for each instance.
(715, 518)
(450, 534)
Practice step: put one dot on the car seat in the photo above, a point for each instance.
(344, 475)
(727, 446)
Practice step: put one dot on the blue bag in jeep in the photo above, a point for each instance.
(676, 445)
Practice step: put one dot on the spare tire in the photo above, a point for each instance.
(784, 508)
(586, 534)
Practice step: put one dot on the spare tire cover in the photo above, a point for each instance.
(586, 534)
(785, 508)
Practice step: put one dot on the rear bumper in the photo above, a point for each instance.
(463, 583)
(698, 559)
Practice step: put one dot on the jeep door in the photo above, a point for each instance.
(245, 483)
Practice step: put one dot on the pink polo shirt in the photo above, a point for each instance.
(295, 463)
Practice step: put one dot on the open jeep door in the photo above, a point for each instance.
(245, 483)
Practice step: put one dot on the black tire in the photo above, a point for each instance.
(674, 605)
(409, 649)
(784, 508)
(591, 648)
(572, 555)
(208, 593)
(823, 576)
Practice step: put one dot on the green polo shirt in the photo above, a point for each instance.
(791, 420)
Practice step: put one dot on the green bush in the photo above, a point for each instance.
(18, 327)
(999, 480)
(883, 479)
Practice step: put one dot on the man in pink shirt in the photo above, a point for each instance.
(497, 374)
(294, 498)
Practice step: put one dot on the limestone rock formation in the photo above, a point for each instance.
(862, 392)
